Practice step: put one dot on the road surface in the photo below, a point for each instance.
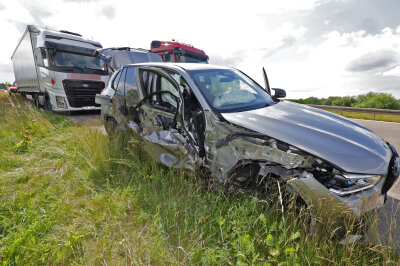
(85, 117)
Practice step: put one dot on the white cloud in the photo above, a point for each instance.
(392, 72)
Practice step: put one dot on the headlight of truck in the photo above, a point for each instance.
(346, 184)
(61, 102)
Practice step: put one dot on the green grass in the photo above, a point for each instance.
(69, 195)
(369, 116)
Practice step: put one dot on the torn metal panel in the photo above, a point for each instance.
(168, 147)
(323, 134)
(246, 147)
(172, 149)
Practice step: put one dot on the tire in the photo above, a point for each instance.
(47, 104)
(36, 100)
(110, 125)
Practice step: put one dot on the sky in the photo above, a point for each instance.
(309, 48)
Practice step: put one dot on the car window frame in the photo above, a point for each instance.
(145, 93)
(118, 75)
(122, 72)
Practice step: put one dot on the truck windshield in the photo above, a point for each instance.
(189, 59)
(81, 61)
(228, 90)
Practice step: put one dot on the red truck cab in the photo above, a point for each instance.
(178, 52)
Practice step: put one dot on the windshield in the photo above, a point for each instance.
(230, 90)
(82, 61)
(189, 59)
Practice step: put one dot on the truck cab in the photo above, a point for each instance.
(178, 52)
(58, 69)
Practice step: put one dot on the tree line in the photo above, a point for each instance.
(369, 100)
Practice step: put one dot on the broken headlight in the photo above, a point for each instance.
(346, 184)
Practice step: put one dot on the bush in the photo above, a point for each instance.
(369, 100)
(377, 100)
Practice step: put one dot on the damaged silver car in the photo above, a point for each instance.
(219, 120)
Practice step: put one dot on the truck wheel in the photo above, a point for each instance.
(47, 104)
(36, 100)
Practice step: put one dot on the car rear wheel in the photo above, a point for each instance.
(111, 126)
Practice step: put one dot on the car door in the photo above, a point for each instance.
(157, 118)
(118, 99)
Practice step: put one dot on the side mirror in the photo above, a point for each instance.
(103, 99)
(279, 93)
(39, 52)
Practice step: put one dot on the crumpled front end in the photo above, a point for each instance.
(324, 187)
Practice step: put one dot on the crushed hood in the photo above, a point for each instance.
(344, 143)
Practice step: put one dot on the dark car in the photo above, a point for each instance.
(197, 116)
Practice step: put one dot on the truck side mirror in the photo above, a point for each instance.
(41, 57)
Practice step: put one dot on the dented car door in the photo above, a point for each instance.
(157, 118)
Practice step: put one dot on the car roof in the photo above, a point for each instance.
(185, 66)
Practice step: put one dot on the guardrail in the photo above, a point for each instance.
(373, 111)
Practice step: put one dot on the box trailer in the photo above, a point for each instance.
(59, 69)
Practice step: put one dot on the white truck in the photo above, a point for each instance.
(59, 70)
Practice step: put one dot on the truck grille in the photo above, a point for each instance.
(82, 92)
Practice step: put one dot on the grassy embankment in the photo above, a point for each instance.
(69, 195)
(369, 116)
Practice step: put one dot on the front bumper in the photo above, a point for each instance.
(354, 206)
(327, 203)
(60, 93)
